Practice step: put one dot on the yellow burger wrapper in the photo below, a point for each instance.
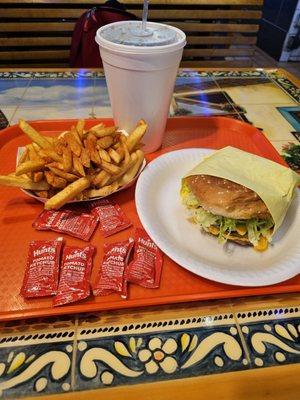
(274, 183)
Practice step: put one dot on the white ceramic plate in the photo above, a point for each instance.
(165, 219)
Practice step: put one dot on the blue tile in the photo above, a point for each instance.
(273, 341)
(12, 91)
(60, 93)
(172, 354)
(35, 367)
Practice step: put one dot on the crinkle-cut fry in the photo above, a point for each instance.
(67, 159)
(38, 176)
(104, 191)
(101, 132)
(24, 156)
(66, 175)
(78, 166)
(84, 158)
(104, 155)
(135, 137)
(105, 142)
(73, 144)
(110, 168)
(13, 180)
(131, 173)
(49, 154)
(34, 135)
(29, 166)
(68, 193)
(80, 127)
(114, 155)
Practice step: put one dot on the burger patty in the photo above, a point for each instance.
(229, 199)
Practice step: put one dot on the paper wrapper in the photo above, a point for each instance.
(274, 183)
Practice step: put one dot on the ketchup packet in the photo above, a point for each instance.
(81, 226)
(76, 268)
(145, 268)
(111, 275)
(42, 269)
(111, 218)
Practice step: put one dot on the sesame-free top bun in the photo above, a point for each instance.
(226, 198)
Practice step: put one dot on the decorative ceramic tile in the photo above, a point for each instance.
(272, 336)
(16, 75)
(45, 112)
(268, 118)
(157, 350)
(286, 85)
(12, 91)
(34, 363)
(292, 115)
(254, 91)
(190, 73)
(60, 93)
(257, 73)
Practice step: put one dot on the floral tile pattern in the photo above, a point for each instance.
(190, 347)
(36, 363)
(272, 336)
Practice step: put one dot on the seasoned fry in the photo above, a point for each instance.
(105, 142)
(114, 155)
(101, 131)
(24, 156)
(38, 176)
(131, 173)
(73, 144)
(67, 194)
(90, 144)
(67, 159)
(29, 166)
(80, 127)
(47, 154)
(104, 155)
(104, 191)
(136, 135)
(78, 166)
(110, 168)
(12, 180)
(34, 135)
(66, 175)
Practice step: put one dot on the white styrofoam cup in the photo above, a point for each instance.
(140, 82)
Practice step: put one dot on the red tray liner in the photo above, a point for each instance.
(17, 211)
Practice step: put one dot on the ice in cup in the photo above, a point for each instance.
(140, 68)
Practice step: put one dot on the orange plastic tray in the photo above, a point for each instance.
(17, 212)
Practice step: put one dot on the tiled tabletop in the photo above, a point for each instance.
(58, 355)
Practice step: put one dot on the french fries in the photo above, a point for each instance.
(78, 164)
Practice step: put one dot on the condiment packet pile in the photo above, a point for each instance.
(68, 276)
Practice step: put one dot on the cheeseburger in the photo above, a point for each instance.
(227, 210)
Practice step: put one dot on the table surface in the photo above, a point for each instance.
(221, 345)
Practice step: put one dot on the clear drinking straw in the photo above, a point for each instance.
(145, 15)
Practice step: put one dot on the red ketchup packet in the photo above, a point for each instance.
(145, 268)
(111, 218)
(76, 268)
(81, 226)
(111, 275)
(42, 269)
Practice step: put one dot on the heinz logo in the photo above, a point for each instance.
(147, 243)
(43, 250)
